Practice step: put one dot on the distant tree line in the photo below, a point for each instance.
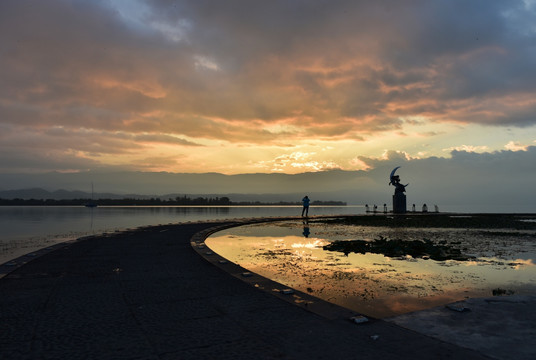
(182, 200)
(289, 203)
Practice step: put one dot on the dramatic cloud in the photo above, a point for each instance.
(239, 86)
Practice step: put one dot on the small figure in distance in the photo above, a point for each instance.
(385, 208)
(305, 209)
(413, 208)
(424, 208)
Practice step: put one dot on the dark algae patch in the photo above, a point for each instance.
(500, 292)
(488, 225)
(424, 249)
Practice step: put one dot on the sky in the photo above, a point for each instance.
(280, 86)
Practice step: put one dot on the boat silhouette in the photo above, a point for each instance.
(91, 203)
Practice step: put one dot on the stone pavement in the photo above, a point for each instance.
(148, 294)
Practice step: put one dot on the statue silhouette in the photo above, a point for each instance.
(395, 181)
(399, 198)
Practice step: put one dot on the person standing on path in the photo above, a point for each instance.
(305, 209)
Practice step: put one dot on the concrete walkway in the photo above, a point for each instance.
(148, 294)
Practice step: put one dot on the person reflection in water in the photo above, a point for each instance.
(306, 230)
(305, 209)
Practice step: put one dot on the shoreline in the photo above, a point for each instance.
(27, 229)
(19, 260)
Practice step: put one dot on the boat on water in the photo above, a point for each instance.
(91, 203)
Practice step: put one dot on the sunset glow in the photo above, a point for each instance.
(280, 86)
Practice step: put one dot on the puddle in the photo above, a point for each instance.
(384, 283)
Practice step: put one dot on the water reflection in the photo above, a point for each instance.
(306, 231)
(292, 253)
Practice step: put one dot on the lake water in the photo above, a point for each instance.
(28, 228)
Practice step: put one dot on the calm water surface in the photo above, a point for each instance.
(291, 253)
(28, 228)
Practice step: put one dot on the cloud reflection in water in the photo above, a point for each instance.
(374, 284)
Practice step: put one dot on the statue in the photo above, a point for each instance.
(395, 181)
(399, 198)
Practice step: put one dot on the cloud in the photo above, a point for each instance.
(303, 162)
(498, 181)
(388, 156)
(514, 146)
(468, 148)
(165, 139)
(259, 73)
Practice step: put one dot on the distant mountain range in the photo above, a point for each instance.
(131, 182)
(428, 184)
(493, 182)
(38, 193)
(334, 185)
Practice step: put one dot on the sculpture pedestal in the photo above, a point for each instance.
(399, 203)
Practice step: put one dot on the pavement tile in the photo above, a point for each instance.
(242, 349)
(195, 333)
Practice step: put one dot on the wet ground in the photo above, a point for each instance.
(495, 257)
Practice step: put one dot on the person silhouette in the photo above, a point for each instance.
(305, 209)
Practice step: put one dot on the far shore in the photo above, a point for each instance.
(224, 201)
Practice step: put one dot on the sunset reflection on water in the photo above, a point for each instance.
(292, 254)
